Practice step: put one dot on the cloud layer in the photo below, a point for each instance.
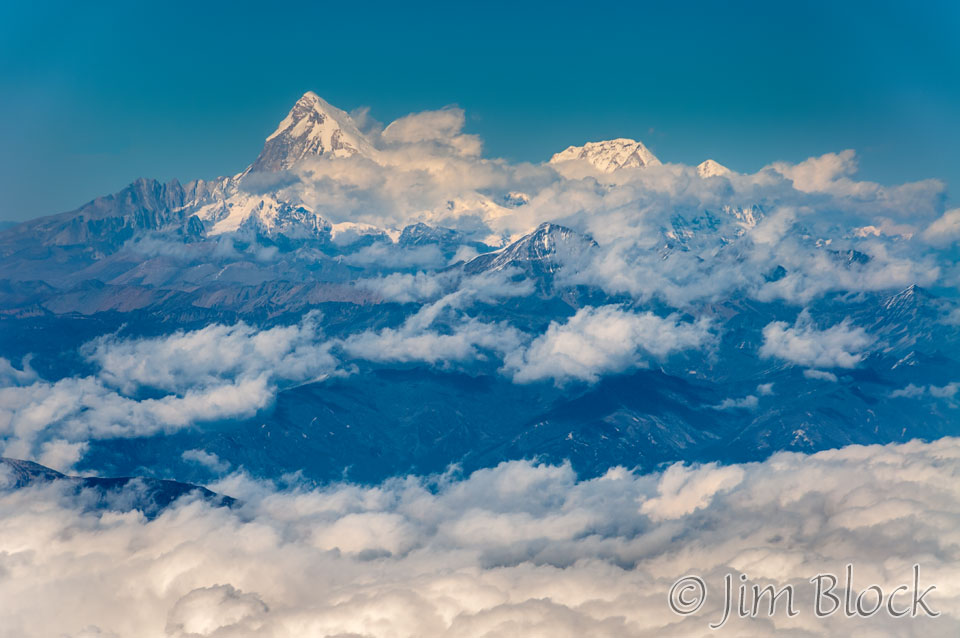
(520, 549)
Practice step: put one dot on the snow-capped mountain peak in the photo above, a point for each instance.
(711, 168)
(609, 155)
(312, 127)
(544, 250)
(264, 214)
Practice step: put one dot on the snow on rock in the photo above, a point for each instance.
(710, 168)
(550, 246)
(610, 155)
(264, 214)
(313, 127)
(746, 217)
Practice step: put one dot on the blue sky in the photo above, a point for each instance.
(97, 94)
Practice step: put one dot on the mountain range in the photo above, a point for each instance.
(387, 236)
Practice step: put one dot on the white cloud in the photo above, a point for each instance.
(406, 287)
(947, 391)
(217, 372)
(449, 288)
(749, 402)
(945, 230)
(820, 375)
(683, 490)
(61, 454)
(833, 173)
(909, 391)
(457, 338)
(77, 409)
(414, 341)
(208, 609)
(819, 173)
(187, 360)
(719, 255)
(464, 254)
(207, 459)
(603, 340)
(441, 127)
(839, 346)
(812, 272)
(519, 549)
(10, 375)
(912, 391)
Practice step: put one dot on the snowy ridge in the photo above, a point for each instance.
(610, 155)
(550, 246)
(263, 213)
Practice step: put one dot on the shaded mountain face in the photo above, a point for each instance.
(19, 473)
(506, 312)
(544, 251)
(147, 495)
(106, 223)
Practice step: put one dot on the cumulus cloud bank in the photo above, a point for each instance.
(520, 549)
(144, 386)
(216, 372)
(415, 341)
(438, 333)
(201, 358)
(839, 346)
(603, 340)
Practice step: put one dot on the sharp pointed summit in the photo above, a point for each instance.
(610, 155)
(711, 168)
(313, 127)
(545, 250)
